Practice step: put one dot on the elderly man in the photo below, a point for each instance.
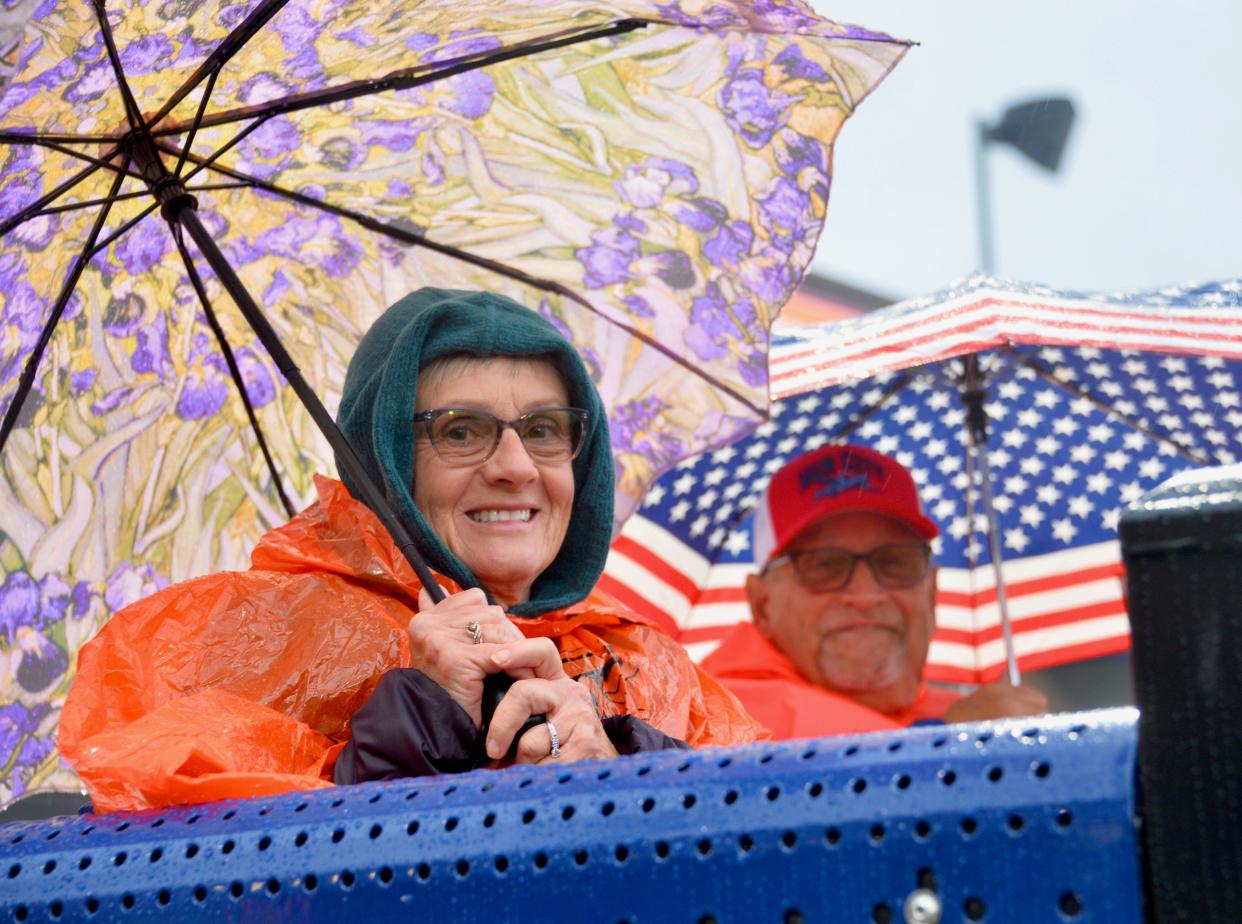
(844, 606)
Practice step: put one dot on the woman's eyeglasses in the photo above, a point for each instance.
(826, 569)
(464, 436)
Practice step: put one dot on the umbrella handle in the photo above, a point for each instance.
(495, 686)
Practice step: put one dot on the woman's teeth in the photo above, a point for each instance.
(496, 516)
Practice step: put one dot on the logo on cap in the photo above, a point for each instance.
(834, 475)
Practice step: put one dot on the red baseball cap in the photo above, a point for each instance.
(833, 480)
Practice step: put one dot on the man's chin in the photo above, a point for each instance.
(867, 655)
(849, 680)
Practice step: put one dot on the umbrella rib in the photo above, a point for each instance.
(1047, 373)
(229, 46)
(132, 112)
(103, 245)
(26, 382)
(849, 428)
(35, 207)
(209, 163)
(413, 238)
(18, 136)
(405, 79)
(198, 119)
(207, 187)
(89, 203)
(234, 369)
(98, 162)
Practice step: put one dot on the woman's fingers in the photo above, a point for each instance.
(459, 612)
(569, 709)
(524, 699)
(536, 744)
(536, 657)
(472, 596)
(453, 642)
(579, 734)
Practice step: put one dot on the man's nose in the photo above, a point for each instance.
(862, 583)
(510, 461)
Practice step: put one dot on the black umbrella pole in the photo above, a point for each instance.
(994, 548)
(973, 395)
(184, 214)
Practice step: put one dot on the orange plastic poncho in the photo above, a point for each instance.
(243, 683)
(772, 690)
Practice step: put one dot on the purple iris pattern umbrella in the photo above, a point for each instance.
(652, 177)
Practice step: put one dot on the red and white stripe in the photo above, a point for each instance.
(985, 319)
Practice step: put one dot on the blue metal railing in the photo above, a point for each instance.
(1005, 822)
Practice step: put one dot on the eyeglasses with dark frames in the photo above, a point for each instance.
(468, 436)
(827, 569)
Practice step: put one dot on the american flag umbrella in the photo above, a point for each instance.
(1091, 400)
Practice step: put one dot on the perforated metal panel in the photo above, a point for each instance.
(1006, 823)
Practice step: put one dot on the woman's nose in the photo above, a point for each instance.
(510, 461)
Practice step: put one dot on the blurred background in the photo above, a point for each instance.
(1145, 193)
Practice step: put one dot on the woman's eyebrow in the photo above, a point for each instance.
(544, 404)
(474, 404)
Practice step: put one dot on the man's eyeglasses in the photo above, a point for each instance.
(826, 569)
(464, 436)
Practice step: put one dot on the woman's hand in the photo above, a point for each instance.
(442, 645)
(544, 688)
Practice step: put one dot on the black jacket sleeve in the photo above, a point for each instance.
(631, 735)
(411, 727)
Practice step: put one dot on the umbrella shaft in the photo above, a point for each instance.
(974, 392)
(182, 209)
(994, 549)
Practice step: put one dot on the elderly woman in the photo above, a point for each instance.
(329, 660)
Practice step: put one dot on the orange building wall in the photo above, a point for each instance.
(808, 308)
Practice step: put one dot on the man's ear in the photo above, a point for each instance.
(757, 595)
(931, 590)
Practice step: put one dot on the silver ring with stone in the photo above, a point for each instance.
(476, 633)
(556, 739)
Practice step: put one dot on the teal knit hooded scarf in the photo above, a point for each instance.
(377, 410)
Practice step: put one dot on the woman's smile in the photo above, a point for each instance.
(522, 515)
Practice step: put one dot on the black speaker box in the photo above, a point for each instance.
(1182, 545)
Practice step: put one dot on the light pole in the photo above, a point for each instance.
(1039, 129)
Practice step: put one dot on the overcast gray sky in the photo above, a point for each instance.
(1150, 189)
